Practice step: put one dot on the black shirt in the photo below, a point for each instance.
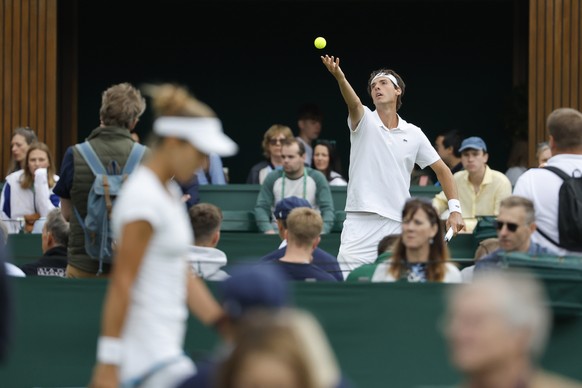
(52, 263)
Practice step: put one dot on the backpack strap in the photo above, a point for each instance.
(88, 153)
(558, 172)
(564, 177)
(135, 156)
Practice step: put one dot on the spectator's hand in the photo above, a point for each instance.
(455, 221)
(332, 65)
(270, 231)
(40, 172)
(104, 376)
(186, 198)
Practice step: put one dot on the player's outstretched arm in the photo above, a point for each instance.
(355, 107)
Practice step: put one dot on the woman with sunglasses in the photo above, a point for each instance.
(420, 254)
(272, 145)
(326, 161)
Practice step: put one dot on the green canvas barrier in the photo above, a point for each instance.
(382, 334)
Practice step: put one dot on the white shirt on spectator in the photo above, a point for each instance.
(207, 261)
(542, 187)
(155, 324)
(381, 162)
(381, 274)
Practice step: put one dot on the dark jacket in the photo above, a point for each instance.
(52, 263)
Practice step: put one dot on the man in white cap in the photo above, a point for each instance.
(384, 150)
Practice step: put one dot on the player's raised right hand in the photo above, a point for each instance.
(332, 64)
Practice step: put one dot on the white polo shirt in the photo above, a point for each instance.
(542, 188)
(381, 161)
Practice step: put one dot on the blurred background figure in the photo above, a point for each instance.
(309, 122)
(245, 291)
(272, 144)
(27, 196)
(517, 162)
(543, 153)
(328, 163)
(22, 138)
(497, 328)
(288, 349)
(211, 172)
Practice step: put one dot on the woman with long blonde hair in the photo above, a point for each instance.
(27, 195)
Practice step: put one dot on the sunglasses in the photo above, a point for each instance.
(510, 226)
(276, 141)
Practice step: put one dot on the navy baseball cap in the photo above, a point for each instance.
(284, 206)
(473, 143)
(254, 286)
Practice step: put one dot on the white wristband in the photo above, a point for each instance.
(109, 350)
(454, 206)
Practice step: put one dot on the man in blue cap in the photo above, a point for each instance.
(480, 188)
(321, 258)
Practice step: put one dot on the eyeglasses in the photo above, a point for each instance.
(276, 141)
(510, 226)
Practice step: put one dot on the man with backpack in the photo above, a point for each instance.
(556, 189)
(91, 174)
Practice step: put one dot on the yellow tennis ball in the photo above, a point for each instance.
(319, 42)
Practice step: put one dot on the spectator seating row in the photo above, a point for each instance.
(241, 247)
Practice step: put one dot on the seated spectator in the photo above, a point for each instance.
(480, 188)
(515, 226)
(295, 180)
(326, 161)
(559, 230)
(517, 163)
(204, 258)
(309, 122)
(321, 258)
(387, 244)
(497, 328)
(28, 193)
(420, 254)
(211, 172)
(55, 238)
(447, 146)
(272, 144)
(304, 227)
(543, 153)
(22, 138)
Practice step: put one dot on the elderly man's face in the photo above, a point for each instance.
(479, 335)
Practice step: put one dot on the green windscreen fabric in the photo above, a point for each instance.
(384, 335)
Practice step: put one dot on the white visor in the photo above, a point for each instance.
(385, 75)
(204, 133)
